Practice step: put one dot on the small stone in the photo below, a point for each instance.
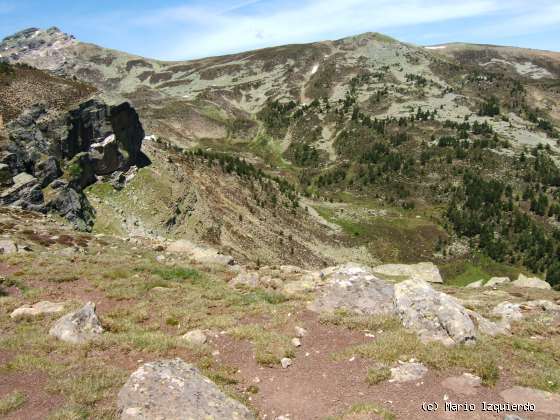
(195, 337)
(497, 281)
(408, 372)
(300, 332)
(37, 309)
(475, 284)
(286, 362)
(296, 342)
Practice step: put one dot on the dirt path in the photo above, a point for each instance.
(317, 387)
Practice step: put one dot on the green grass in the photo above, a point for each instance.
(270, 347)
(391, 238)
(463, 272)
(365, 409)
(377, 375)
(12, 402)
(176, 273)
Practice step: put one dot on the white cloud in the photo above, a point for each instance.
(224, 30)
(213, 27)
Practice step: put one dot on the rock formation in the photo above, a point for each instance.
(49, 159)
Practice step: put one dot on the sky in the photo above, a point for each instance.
(181, 29)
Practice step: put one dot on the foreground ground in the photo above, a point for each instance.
(147, 299)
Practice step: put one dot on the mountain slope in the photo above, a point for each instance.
(380, 136)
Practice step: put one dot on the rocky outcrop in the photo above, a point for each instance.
(112, 135)
(436, 316)
(426, 271)
(66, 153)
(78, 327)
(355, 288)
(173, 390)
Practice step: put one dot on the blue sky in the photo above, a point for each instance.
(180, 29)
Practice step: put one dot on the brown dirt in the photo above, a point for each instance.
(39, 402)
(316, 386)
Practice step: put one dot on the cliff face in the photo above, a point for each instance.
(51, 158)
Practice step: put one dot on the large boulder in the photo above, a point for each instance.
(354, 288)
(434, 316)
(175, 390)
(78, 327)
(425, 271)
(531, 282)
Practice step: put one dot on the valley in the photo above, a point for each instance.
(338, 230)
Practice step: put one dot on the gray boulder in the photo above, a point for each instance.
(354, 288)
(531, 282)
(434, 316)
(175, 390)
(78, 327)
